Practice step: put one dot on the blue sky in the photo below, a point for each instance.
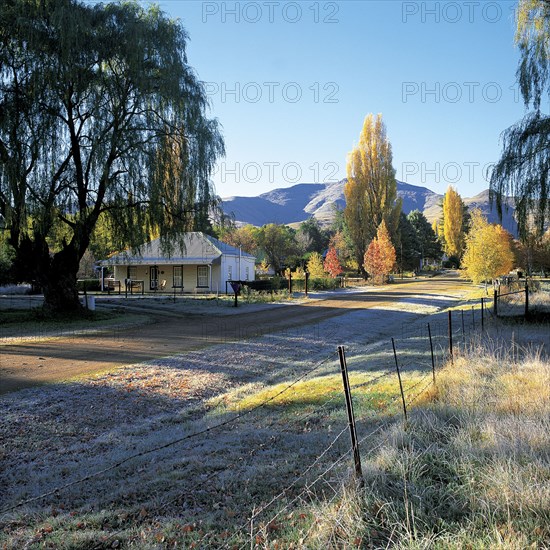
(291, 83)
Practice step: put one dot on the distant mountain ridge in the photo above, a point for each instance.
(295, 204)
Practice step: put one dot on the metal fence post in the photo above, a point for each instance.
(351, 416)
(526, 299)
(451, 338)
(432, 351)
(400, 382)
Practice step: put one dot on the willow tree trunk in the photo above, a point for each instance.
(60, 290)
(59, 282)
(55, 274)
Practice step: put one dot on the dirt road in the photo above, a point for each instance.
(33, 363)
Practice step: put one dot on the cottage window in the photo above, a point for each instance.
(246, 272)
(202, 276)
(178, 276)
(132, 272)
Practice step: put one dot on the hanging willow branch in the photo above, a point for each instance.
(523, 169)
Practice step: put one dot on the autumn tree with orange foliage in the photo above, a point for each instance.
(380, 256)
(488, 252)
(332, 263)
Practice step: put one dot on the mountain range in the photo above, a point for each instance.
(291, 205)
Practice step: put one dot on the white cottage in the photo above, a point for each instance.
(205, 265)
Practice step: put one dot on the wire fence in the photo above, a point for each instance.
(381, 391)
(309, 479)
(521, 300)
(313, 478)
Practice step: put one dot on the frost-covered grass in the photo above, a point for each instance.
(203, 491)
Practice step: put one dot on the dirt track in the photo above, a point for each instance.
(28, 364)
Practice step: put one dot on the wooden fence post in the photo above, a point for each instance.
(289, 282)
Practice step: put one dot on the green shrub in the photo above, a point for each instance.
(324, 284)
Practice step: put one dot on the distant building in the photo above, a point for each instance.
(204, 265)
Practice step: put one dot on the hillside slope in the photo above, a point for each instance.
(300, 202)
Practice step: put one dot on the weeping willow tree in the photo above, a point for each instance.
(524, 168)
(100, 115)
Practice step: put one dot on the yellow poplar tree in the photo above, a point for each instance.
(453, 213)
(437, 226)
(380, 256)
(371, 190)
(488, 252)
(315, 266)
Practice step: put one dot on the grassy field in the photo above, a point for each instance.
(262, 458)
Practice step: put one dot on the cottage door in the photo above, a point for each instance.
(154, 278)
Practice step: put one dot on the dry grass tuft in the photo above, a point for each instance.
(471, 469)
(497, 383)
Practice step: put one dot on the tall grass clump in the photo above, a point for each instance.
(471, 468)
